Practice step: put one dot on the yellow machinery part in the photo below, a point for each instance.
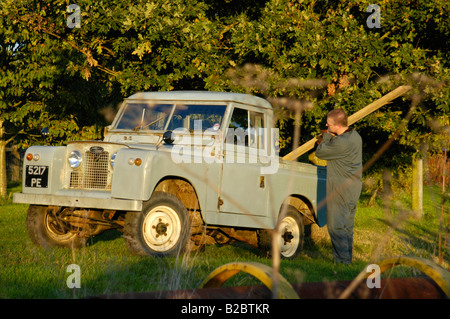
(432, 270)
(260, 271)
(435, 272)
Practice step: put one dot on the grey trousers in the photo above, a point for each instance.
(340, 221)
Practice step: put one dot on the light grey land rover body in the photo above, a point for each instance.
(176, 170)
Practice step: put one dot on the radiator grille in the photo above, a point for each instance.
(94, 172)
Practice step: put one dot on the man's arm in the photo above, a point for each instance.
(331, 148)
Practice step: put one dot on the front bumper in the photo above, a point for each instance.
(93, 200)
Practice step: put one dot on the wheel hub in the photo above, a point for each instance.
(290, 235)
(287, 237)
(161, 228)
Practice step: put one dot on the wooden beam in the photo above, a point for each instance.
(385, 99)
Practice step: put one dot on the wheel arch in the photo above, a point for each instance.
(182, 188)
(303, 206)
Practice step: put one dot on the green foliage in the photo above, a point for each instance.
(51, 75)
(37, 87)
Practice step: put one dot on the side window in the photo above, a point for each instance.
(239, 119)
(257, 132)
(246, 129)
(238, 128)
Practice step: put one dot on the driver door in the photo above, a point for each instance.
(242, 186)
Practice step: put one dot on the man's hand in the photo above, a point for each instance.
(320, 136)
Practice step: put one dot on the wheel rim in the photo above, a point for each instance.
(55, 228)
(290, 237)
(161, 228)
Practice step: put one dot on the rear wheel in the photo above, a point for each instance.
(161, 229)
(291, 234)
(46, 229)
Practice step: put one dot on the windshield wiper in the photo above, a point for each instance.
(141, 127)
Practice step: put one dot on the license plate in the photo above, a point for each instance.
(36, 176)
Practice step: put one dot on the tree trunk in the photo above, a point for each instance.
(14, 164)
(3, 173)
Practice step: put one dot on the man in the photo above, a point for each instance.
(341, 146)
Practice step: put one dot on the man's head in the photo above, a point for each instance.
(337, 121)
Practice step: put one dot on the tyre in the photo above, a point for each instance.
(161, 229)
(46, 229)
(291, 234)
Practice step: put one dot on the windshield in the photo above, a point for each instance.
(162, 117)
(144, 116)
(185, 116)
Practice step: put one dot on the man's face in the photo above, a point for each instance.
(332, 128)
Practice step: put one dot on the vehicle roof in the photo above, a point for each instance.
(202, 96)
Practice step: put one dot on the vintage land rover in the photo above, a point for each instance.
(175, 171)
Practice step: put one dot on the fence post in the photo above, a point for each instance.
(417, 186)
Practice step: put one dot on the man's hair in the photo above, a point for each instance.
(339, 117)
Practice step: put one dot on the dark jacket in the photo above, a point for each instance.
(344, 163)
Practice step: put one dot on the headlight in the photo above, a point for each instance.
(113, 158)
(75, 159)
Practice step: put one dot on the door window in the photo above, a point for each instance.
(246, 129)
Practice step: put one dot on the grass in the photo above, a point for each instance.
(107, 267)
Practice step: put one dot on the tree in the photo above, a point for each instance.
(60, 77)
(330, 40)
(57, 76)
(37, 89)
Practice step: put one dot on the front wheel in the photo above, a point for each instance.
(161, 229)
(47, 229)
